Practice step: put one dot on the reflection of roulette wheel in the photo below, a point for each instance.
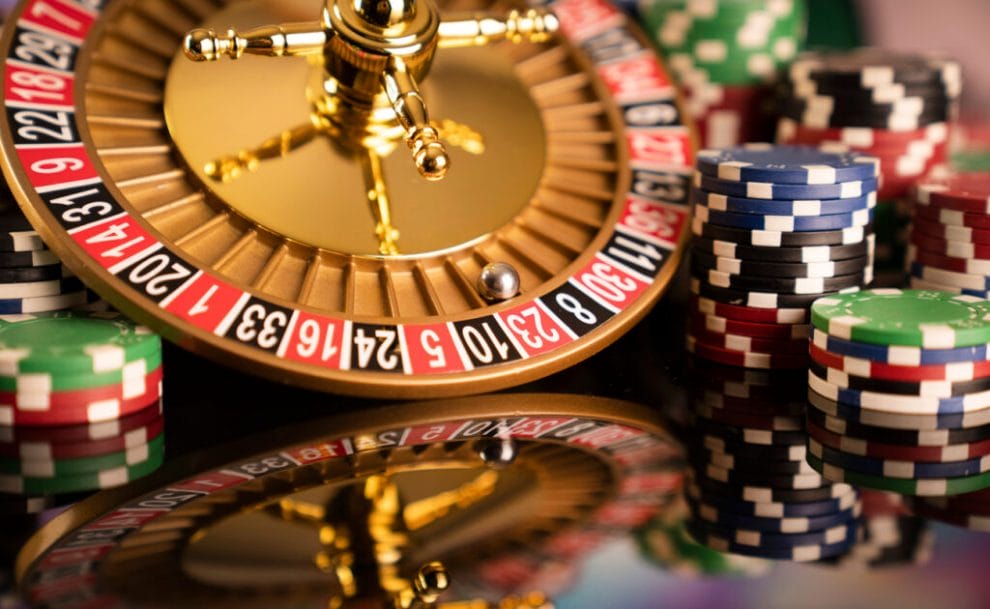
(263, 211)
(353, 510)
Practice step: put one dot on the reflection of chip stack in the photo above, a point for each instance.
(969, 510)
(950, 235)
(894, 106)
(899, 391)
(775, 228)
(79, 405)
(890, 537)
(752, 492)
(722, 53)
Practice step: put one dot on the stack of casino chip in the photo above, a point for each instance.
(751, 491)
(899, 391)
(950, 235)
(775, 228)
(895, 106)
(80, 405)
(891, 536)
(722, 53)
(969, 510)
(32, 278)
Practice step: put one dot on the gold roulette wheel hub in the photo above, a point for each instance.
(381, 509)
(398, 200)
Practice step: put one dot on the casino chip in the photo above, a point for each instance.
(894, 106)
(899, 391)
(722, 54)
(969, 510)
(761, 270)
(751, 490)
(80, 403)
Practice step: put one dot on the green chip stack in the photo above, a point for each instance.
(722, 54)
(80, 405)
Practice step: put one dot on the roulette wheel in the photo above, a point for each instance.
(265, 212)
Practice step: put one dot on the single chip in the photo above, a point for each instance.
(777, 510)
(863, 138)
(82, 433)
(977, 502)
(736, 266)
(734, 342)
(769, 190)
(890, 468)
(872, 67)
(802, 255)
(747, 435)
(771, 207)
(44, 304)
(899, 404)
(746, 463)
(951, 233)
(785, 164)
(918, 283)
(849, 417)
(925, 487)
(48, 451)
(952, 217)
(83, 482)
(54, 410)
(757, 299)
(57, 468)
(881, 450)
(956, 265)
(770, 239)
(747, 359)
(781, 285)
(72, 343)
(753, 421)
(82, 385)
(780, 481)
(804, 553)
(967, 192)
(764, 494)
(767, 406)
(956, 371)
(721, 325)
(19, 505)
(894, 97)
(28, 259)
(831, 113)
(32, 274)
(926, 388)
(793, 525)
(978, 283)
(899, 355)
(785, 224)
(770, 452)
(741, 313)
(928, 319)
(761, 539)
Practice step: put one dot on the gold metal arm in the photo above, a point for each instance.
(534, 25)
(270, 41)
(428, 152)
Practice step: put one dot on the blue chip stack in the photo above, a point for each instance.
(775, 228)
(751, 491)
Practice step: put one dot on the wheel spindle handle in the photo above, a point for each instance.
(428, 151)
(203, 44)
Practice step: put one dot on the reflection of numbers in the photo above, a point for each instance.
(271, 323)
(531, 316)
(573, 306)
(603, 282)
(31, 130)
(379, 346)
(48, 51)
(46, 166)
(264, 466)
(37, 86)
(434, 433)
(480, 347)
(310, 342)
(430, 341)
(157, 271)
